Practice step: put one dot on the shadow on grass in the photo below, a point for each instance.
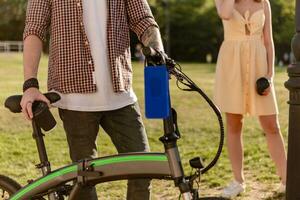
(276, 196)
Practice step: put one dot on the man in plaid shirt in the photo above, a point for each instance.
(90, 67)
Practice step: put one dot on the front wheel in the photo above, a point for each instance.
(7, 187)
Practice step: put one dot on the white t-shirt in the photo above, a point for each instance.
(95, 22)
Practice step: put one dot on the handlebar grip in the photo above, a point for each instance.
(154, 57)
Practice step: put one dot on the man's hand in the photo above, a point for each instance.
(29, 96)
(152, 38)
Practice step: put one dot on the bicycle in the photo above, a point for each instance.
(66, 181)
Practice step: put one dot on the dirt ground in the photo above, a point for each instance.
(254, 191)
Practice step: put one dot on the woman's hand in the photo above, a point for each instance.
(225, 8)
(270, 79)
(267, 91)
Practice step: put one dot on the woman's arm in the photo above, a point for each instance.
(225, 8)
(268, 40)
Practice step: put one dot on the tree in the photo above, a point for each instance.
(283, 25)
(12, 15)
(186, 28)
(196, 29)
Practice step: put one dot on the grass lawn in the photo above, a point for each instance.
(197, 124)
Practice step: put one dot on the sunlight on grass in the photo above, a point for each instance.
(197, 124)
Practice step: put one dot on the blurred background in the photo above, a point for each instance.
(191, 29)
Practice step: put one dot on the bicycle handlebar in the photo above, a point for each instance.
(154, 57)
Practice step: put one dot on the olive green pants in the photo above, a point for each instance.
(127, 132)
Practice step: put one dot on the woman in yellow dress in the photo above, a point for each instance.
(247, 54)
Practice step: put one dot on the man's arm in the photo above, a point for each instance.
(31, 57)
(36, 24)
(142, 22)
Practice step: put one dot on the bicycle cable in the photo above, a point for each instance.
(181, 77)
(154, 57)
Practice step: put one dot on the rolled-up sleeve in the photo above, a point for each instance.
(38, 17)
(140, 16)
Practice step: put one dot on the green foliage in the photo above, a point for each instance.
(283, 25)
(12, 15)
(195, 28)
(189, 34)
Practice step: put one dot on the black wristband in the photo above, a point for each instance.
(30, 83)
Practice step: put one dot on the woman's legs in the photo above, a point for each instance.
(275, 142)
(235, 145)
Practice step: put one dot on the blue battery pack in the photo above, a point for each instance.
(157, 95)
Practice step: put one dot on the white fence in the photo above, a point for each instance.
(9, 46)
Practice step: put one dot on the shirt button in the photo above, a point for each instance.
(86, 43)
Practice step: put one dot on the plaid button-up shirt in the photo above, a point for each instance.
(71, 65)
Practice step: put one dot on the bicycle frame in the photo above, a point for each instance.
(111, 168)
(117, 167)
(122, 166)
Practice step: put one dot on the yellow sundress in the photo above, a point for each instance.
(241, 61)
